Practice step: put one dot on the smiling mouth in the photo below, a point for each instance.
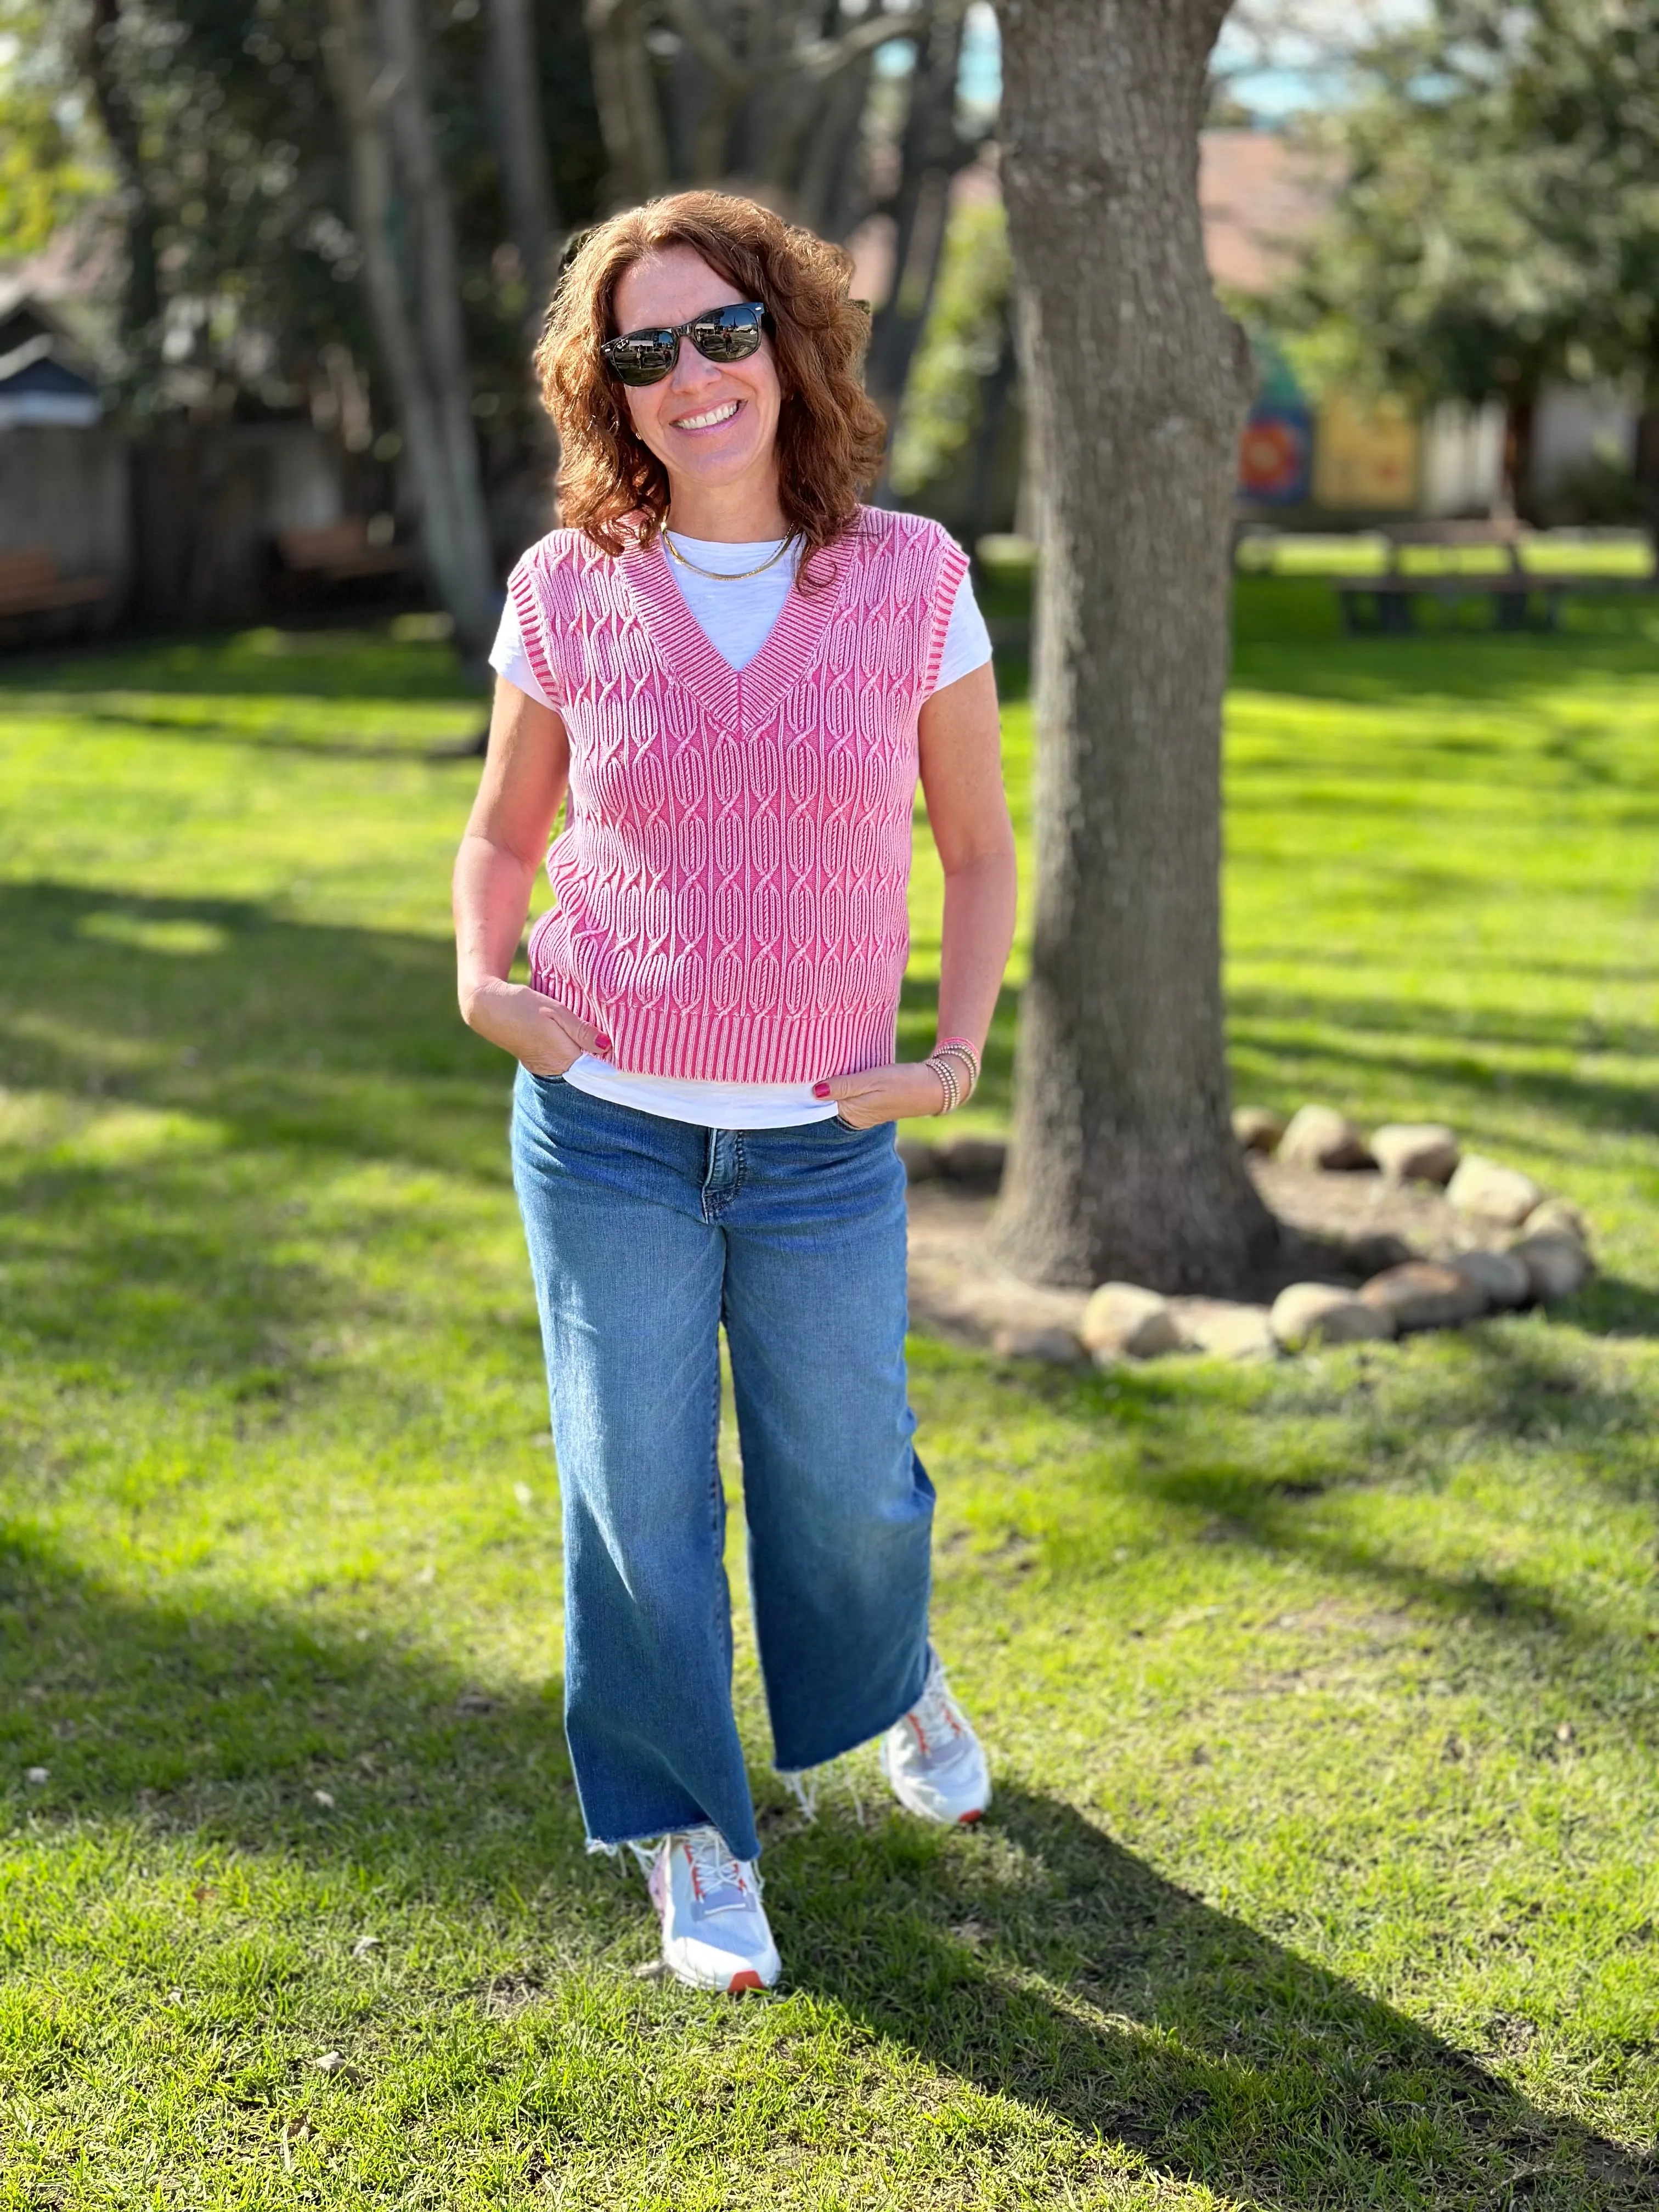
(709, 416)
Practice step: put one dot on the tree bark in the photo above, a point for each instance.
(827, 186)
(141, 295)
(630, 120)
(531, 211)
(423, 350)
(1520, 411)
(1647, 467)
(1123, 1162)
(995, 398)
(930, 155)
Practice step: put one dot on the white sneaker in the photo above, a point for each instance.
(932, 1760)
(714, 1932)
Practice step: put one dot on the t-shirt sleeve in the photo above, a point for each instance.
(510, 658)
(967, 641)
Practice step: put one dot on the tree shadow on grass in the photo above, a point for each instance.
(1288, 639)
(1447, 1042)
(280, 1032)
(1071, 1976)
(1040, 1961)
(180, 724)
(1535, 1648)
(321, 661)
(204, 1718)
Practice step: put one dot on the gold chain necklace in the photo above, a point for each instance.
(723, 575)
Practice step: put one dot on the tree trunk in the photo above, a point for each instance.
(930, 154)
(994, 402)
(1123, 1162)
(515, 99)
(1647, 471)
(141, 295)
(423, 352)
(434, 268)
(1519, 413)
(827, 187)
(630, 119)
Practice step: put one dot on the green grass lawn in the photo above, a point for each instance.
(1322, 1700)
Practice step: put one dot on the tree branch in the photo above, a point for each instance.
(705, 42)
(821, 58)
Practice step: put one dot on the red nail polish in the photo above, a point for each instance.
(601, 1044)
(820, 1091)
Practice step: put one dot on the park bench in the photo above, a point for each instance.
(339, 553)
(1522, 597)
(30, 586)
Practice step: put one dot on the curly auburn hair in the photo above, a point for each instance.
(830, 433)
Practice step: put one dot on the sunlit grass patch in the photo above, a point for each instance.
(1322, 1698)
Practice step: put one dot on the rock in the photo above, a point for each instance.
(1415, 1151)
(1320, 1137)
(1121, 1320)
(1318, 1313)
(1482, 1187)
(1039, 1340)
(972, 1159)
(1503, 1277)
(1224, 1329)
(1557, 1218)
(1369, 1251)
(1258, 1128)
(918, 1159)
(1423, 1294)
(1556, 1266)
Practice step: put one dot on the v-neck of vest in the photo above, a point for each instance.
(735, 697)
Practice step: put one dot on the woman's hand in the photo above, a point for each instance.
(540, 1034)
(905, 1091)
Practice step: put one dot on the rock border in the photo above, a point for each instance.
(1526, 1247)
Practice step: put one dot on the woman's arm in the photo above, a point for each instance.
(962, 778)
(525, 772)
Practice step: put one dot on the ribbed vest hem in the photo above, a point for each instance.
(697, 1046)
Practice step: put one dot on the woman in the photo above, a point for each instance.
(729, 670)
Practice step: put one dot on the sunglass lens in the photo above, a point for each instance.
(643, 357)
(730, 334)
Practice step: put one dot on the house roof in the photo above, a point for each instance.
(72, 286)
(43, 375)
(1260, 197)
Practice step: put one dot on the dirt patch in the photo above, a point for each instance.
(1341, 1228)
(1324, 1207)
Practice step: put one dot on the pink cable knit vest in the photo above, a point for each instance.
(731, 883)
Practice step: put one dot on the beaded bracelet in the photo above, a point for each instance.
(959, 1049)
(946, 1073)
(955, 1063)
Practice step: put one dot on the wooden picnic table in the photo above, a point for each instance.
(1522, 597)
(31, 585)
(339, 552)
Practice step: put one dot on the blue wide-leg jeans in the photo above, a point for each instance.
(645, 1236)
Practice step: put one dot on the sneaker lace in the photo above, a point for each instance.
(937, 1724)
(721, 1879)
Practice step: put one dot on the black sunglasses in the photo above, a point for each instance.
(720, 334)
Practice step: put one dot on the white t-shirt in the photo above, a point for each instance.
(736, 614)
